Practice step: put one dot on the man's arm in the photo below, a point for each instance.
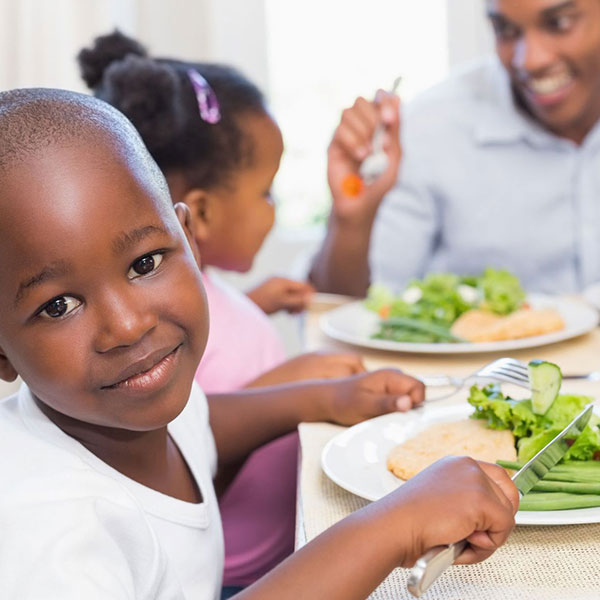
(342, 263)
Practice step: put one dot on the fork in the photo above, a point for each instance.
(509, 370)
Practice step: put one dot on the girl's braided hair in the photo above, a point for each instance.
(157, 96)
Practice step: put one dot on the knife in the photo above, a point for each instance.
(432, 564)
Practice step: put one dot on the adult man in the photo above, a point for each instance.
(501, 165)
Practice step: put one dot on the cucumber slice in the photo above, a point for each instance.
(545, 379)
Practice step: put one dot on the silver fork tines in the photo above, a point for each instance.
(508, 370)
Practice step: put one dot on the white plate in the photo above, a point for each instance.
(355, 459)
(592, 295)
(354, 324)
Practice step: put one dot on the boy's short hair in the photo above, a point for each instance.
(33, 119)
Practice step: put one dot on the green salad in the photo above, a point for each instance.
(426, 309)
(575, 481)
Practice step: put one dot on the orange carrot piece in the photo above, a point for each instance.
(352, 185)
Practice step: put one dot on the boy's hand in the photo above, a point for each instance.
(313, 365)
(457, 498)
(368, 395)
(351, 144)
(278, 293)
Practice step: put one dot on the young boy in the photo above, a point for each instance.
(106, 483)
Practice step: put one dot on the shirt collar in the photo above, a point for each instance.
(501, 121)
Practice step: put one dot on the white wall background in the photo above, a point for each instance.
(39, 40)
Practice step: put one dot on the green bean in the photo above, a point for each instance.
(437, 331)
(567, 486)
(574, 476)
(558, 501)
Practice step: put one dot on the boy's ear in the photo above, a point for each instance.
(184, 217)
(201, 205)
(7, 371)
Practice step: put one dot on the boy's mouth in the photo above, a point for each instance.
(147, 373)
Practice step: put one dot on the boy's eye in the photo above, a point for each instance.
(59, 307)
(145, 264)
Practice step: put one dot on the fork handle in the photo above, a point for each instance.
(431, 565)
(440, 380)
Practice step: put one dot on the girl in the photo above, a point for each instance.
(210, 132)
(108, 492)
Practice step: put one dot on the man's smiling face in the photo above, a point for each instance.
(551, 51)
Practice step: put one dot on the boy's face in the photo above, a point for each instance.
(104, 315)
(551, 50)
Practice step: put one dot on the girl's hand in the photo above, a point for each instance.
(314, 365)
(456, 498)
(278, 293)
(368, 395)
(351, 144)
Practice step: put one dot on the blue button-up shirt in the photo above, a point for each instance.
(481, 184)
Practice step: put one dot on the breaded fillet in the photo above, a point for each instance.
(469, 437)
(481, 326)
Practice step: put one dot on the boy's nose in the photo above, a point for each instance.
(123, 321)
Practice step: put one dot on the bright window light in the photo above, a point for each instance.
(321, 55)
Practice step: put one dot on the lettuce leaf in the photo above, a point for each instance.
(533, 431)
(502, 291)
(378, 296)
(502, 412)
(584, 447)
(564, 409)
(587, 445)
(528, 447)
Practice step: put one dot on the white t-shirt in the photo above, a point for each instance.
(71, 527)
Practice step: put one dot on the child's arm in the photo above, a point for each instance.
(454, 499)
(341, 265)
(244, 420)
(279, 293)
(312, 365)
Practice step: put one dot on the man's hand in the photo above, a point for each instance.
(350, 146)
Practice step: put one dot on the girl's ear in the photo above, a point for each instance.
(201, 207)
(184, 217)
(7, 371)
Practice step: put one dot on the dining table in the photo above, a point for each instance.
(538, 562)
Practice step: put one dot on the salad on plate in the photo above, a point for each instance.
(575, 481)
(511, 432)
(446, 307)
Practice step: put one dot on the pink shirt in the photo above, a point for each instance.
(258, 508)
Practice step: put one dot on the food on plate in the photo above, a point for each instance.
(474, 321)
(574, 484)
(533, 431)
(478, 325)
(502, 427)
(575, 481)
(467, 437)
(444, 307)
